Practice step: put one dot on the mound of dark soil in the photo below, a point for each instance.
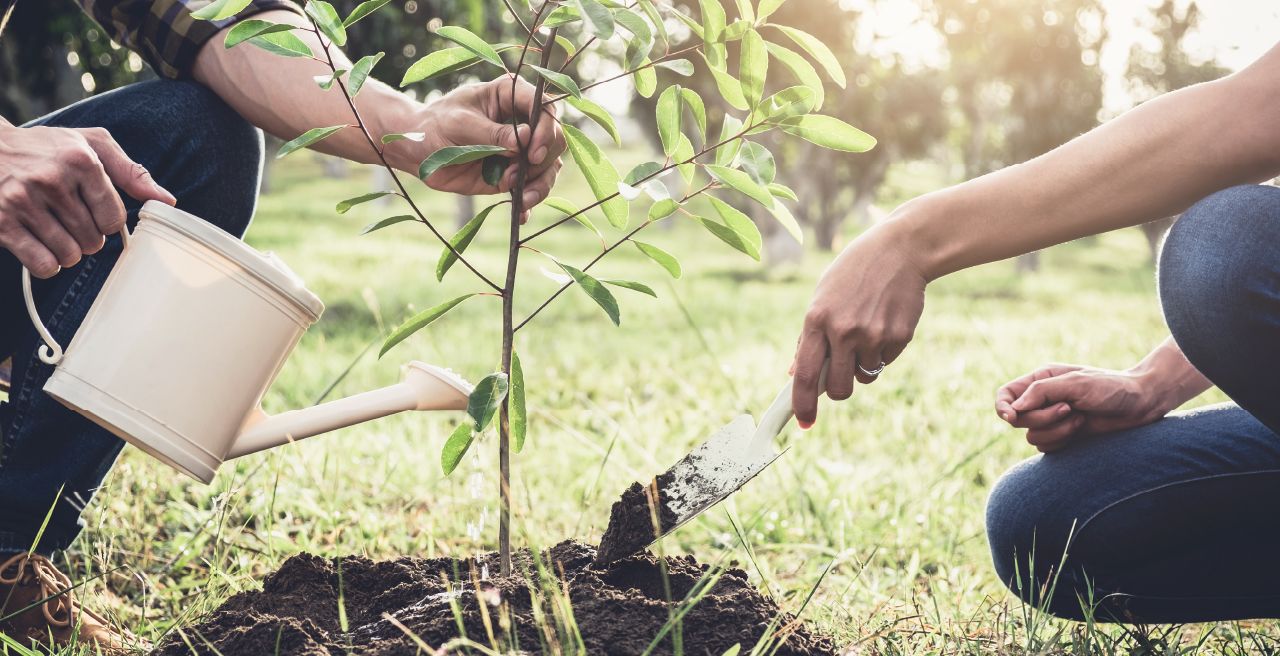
(617, 609)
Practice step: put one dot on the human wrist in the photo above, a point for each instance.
(913, 228)
(1167, 379)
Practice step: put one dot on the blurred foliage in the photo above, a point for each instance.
(1170, 66)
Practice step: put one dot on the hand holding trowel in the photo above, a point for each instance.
(715, 469)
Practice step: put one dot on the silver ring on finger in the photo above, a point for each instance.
(872, 372)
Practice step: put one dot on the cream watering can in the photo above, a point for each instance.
(188, 333)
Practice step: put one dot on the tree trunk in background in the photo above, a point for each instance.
(335, 168)
(1154, 232)
(1029, 263)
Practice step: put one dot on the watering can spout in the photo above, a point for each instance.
(423, 387)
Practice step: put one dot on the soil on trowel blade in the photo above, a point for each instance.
(618, 609)
(631, 520)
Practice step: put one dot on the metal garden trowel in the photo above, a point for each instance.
(715, 469)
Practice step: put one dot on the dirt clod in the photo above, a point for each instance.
(631, 520)
(618, 609)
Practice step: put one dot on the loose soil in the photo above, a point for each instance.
(632, 520)
(617, 609)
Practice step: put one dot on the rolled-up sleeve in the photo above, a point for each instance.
(163, 32)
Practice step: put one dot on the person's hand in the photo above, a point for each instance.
(863, 314)
(480, 114)
(1058, 402)
(57, 203)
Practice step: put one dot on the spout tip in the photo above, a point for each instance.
(437, 388)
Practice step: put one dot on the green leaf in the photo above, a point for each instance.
(363, 9)
(730, 88)
(485, 399)
(735, 30)
(349, 203)
(326, 81)
(641, 172)
(492, 169)
(728, 127)
(641, 45)
(816, 49)
(682, 153)
(753, 67)
(595, 290)
(780, 190)
(397, 136)
(829, 132)
(439, 62)
(745, 11)
(632, 285)
(418, 322)
(306, 139)
(740, 181)
(251, 27)
(326, 18)
(462, 240)
(694, 102)
(517, 417)
(389, 221)
(789, 223)
(562, 81)
(598, 19)
(285, 44)
(601, 176)
(664, 259)
(654, 17)
(678, 66)
(360, 73)
(467, 39)
(645, 79)
(598, 114)
(220, 9)
(740, 224)
(757, 162)
(455, 447)
(692, 24)
(663, 208)
(450, 155)
(728, 236)
(566, 45)
(569, 209)
(791, 101)
(737, 647)
(766, 8)
(713, 20)
(668, 116)
(800, 67)
(561, 15)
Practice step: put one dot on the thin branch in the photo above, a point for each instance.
(623, 74)
(404, 193)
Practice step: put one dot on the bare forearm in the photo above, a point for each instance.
(279, 95)
(1170, 377)
(1151, 162)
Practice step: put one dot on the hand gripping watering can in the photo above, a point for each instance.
(188, 333)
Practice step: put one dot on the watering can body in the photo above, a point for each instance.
(189, 331)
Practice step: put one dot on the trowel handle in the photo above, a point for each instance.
(780, 411)
(51, 351)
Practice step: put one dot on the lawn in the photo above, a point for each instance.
(887, 490)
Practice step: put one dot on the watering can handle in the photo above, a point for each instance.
(50, 351)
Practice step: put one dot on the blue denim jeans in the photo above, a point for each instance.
(1178, 520)
(210, 159)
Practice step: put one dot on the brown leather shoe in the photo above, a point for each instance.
(38, 607)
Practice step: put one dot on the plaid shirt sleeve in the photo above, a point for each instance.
(163, 31)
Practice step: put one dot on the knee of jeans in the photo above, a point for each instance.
(1027, 538)
(1216, 258)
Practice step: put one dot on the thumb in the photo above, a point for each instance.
(127, 174)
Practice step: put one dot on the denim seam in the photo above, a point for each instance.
(1083, 526)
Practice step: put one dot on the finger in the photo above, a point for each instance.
(538, 189)
(804, 390)
(1053, 436)
(102, 201)
(547, 142)
(78, 220)
(869, 358)
(127, 174)
(1004, 404)
(48, 229)
(31, 252)
(1043, 393)
(521, 103)
(524, 217)
(840, 373)
(1042, 417)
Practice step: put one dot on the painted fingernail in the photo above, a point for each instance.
(539, 155)
(804, 425)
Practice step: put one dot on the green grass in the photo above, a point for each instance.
(885, 495)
